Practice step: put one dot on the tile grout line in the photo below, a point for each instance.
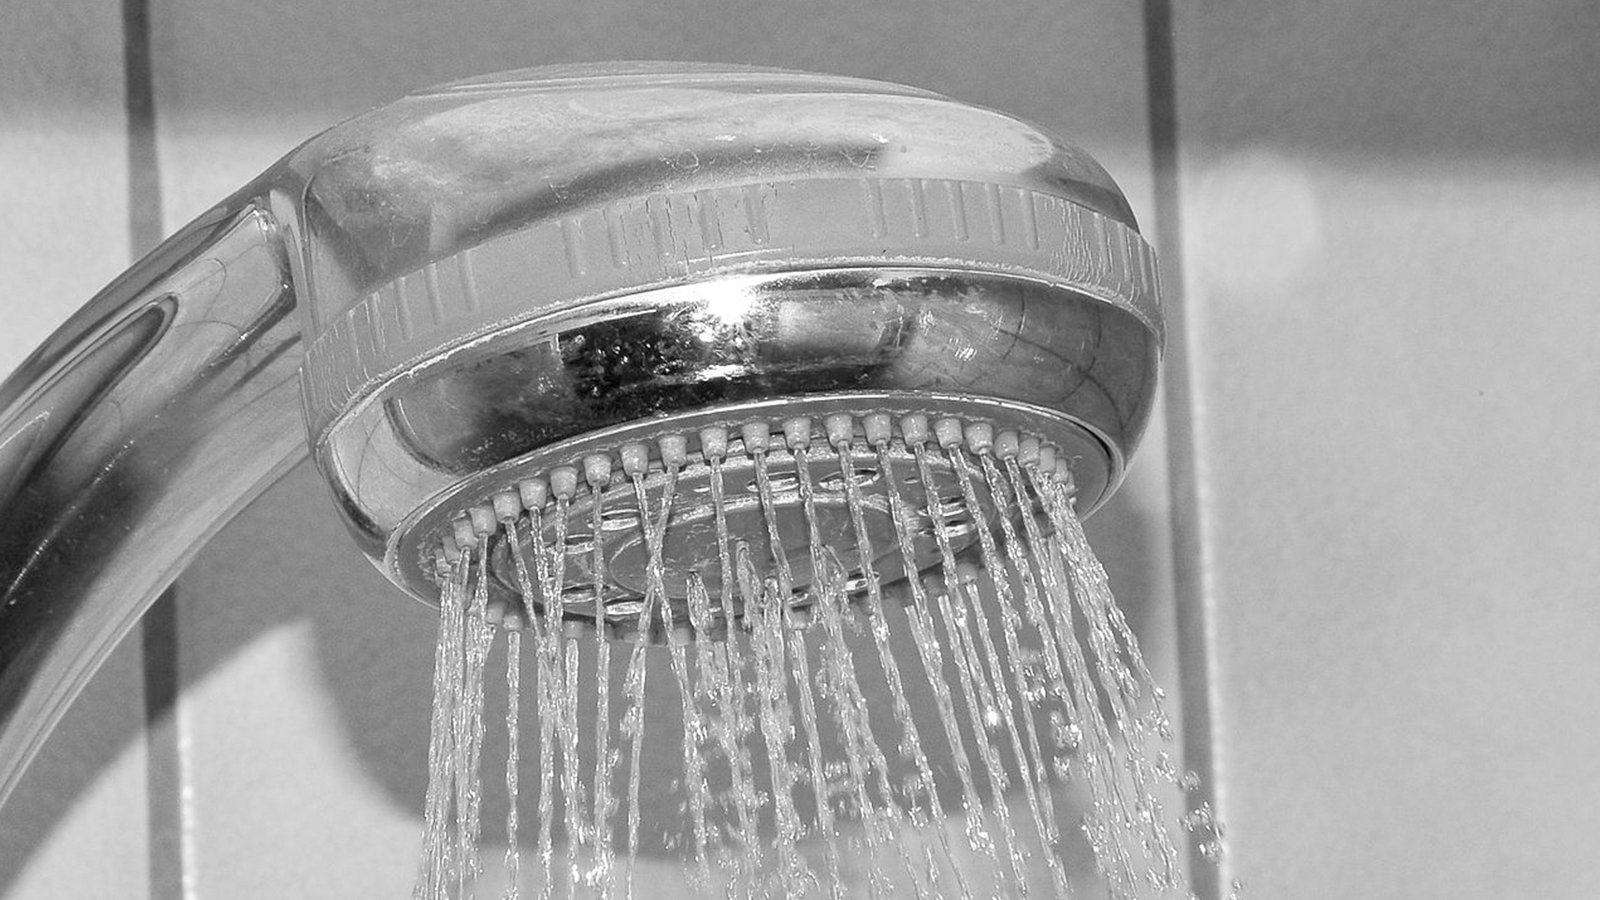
(159, 627)
(1196, 676)
(145, 228)
(163, 753)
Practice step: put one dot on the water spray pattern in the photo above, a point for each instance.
(782, 611)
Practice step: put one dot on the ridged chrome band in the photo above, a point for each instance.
(666, 239)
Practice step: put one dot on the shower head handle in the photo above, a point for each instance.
(146, 422)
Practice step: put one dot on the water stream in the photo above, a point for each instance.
(819, 725)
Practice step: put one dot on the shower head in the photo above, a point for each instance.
(516, 276)
(493, 293)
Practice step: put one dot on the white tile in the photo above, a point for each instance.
(1389, 225)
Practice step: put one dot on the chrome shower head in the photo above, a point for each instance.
(513, 276)
(480, 288)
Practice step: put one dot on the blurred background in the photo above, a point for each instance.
(1360, 543)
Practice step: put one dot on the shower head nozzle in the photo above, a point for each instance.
(513, 275)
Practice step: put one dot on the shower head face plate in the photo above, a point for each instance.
(691, 544)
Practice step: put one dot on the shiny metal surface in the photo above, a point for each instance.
(427, 270)
(148, 420)
(1017, 354)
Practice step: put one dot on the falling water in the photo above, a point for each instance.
(727, 689)
(437, 855)
(694, 769)
(843, 729)
(784, 642)
(605, 801)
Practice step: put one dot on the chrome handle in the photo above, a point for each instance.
(143, 424)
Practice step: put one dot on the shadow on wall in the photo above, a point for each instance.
(97, 735)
